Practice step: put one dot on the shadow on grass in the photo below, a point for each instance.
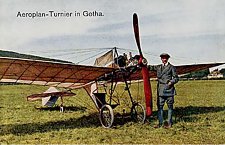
(185, 113)
(57, 108)
(31, 128)
(92, 120)
(89, 121)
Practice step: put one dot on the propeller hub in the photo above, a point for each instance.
(144, 61)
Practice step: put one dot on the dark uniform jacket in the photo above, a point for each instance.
(165, 74)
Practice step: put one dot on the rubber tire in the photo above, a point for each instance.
(106, 112)
(137, 110)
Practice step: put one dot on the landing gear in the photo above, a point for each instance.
(106, 116)
(138, 113)
(61, 109)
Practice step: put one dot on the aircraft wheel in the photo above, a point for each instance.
(138, 113)
(106, 116)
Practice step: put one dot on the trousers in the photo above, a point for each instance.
(160, 104)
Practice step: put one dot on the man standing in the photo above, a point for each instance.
(166, 77)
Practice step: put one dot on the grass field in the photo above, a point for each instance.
(199, 118)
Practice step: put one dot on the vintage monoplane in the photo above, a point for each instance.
(71, 76)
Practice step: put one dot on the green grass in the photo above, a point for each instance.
(199, 118)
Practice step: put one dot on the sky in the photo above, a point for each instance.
(191, 31)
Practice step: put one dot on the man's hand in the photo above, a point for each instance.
(169, 83)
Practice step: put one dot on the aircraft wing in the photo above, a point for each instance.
(35, 97)
(49, 73)
(68, 75)
(182, 69)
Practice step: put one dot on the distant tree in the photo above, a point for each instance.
(12, 54)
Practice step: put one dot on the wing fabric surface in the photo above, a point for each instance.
(182, 69)
(68, 75)
(48, 73)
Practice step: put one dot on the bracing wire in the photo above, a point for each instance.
(90, 57)
(72, 52)
(157, 56)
